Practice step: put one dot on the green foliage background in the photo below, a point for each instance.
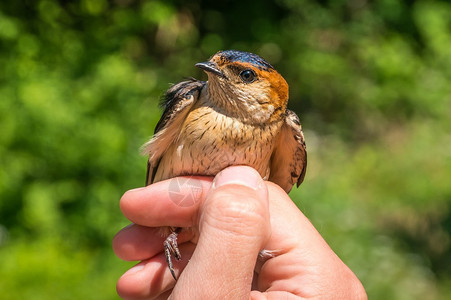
(79, 89)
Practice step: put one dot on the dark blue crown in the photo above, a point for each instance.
(241, 56)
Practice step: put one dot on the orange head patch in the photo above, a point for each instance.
(278, 87)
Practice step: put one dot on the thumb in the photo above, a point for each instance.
(234, 226)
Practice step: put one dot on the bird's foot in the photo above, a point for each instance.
(171, 248)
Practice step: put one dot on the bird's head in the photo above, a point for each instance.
(244, 85)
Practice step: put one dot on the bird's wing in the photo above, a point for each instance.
(177, 102)
(289, 158)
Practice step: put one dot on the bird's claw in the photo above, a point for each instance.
(171, 248)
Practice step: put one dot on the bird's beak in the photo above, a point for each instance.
(210, 67)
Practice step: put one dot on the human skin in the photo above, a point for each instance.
(232, 219)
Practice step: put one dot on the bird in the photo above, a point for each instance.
(238, 116)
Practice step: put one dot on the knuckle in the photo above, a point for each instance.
(239, 211)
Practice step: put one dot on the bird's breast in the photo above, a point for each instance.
(210, 141)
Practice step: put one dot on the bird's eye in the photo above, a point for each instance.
(248, 76)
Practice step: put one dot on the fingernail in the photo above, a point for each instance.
(241, 175)
(137, 189)
(134, 270)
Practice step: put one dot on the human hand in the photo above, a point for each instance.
(231, 220)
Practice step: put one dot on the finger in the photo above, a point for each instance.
(233, 225)
(293, 227)
(151, 278)
(136, 242)
(290, 228)
(298, 246)
(173, 202)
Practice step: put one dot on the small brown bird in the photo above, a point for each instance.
(237, 117)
